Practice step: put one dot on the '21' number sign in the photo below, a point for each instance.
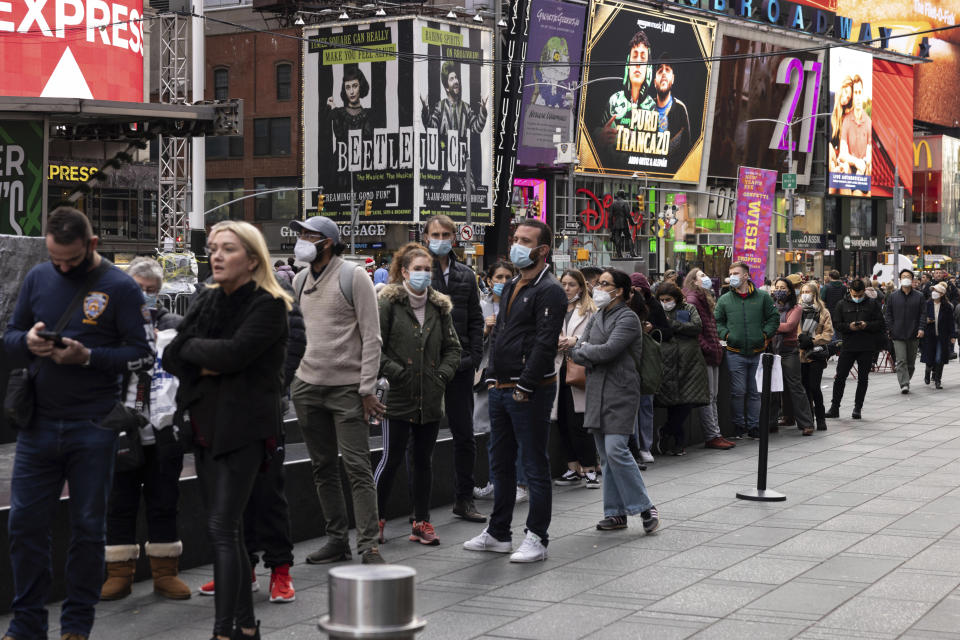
(804, 79)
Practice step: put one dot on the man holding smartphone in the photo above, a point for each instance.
(859, 321)
(76, 379)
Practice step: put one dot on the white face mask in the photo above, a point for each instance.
(601, 298)
(706, 282)
(669, 306)
(906, 282)
(305, 251)
(806, 298)
(935, 295)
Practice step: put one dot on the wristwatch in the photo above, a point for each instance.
(520, 395)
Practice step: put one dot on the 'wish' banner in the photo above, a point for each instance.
(756, 189)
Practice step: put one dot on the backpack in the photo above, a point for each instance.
(650, 366)
(346, 282)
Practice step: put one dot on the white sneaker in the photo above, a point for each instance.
(530, 550)
(483, 493)
(646, 457)
(486, 542)
(593, 481)
(522, 494)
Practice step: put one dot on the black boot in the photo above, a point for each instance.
(856, 413)
(834, 412)
(819, 413)
(926, 375)
(938, 376)
(238, 634)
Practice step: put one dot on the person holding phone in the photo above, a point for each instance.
(858, 319)
(684, 383)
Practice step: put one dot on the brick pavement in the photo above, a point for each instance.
(867, 545)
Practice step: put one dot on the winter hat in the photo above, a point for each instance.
(941, 287)
(640, 281)
(795, 279)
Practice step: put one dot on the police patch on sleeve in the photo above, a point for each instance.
(145, 311)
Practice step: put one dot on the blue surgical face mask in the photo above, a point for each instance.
(498, 289)
(735, 281)
(440, 247)
(706, 282)
(419, 280)
(520, 256)
(150, 299)
(857, 300)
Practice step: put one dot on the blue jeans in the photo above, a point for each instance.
(624, 493)
(49, 453)
(643, 427)
(743, 382)
(520, 427)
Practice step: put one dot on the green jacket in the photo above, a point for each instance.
(418, 361)
(746, 323)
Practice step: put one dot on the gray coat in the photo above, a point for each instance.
(613, 383)
(902, 314)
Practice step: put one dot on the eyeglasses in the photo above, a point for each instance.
(604, 284)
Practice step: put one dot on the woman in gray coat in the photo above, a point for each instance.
(610, 349)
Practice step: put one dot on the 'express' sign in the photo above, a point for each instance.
(72, 49)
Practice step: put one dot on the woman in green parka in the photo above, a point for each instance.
(684, 381)
(420, 354)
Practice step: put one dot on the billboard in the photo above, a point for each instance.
(756, 86)
(455, 129)
(646, 113)
(756, 189)
(358, 119)
(935, 89)
(72, 49)
(551, 75)
(21, 177)
(892, 127)
(851, 129)
(397, 112)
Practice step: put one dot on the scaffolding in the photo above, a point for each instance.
(174, 154)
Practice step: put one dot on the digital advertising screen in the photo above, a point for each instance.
(756, 88)
(851, 129)
(644, 109)
(892, 127)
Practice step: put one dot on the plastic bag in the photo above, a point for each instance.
(163, 386)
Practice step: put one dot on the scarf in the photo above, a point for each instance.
(418, 302)
(810, 319)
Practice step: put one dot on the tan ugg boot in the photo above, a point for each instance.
(164, 563)
(121, 565)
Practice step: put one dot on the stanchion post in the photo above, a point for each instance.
(761, 493)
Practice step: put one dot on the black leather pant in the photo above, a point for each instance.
(227, 483)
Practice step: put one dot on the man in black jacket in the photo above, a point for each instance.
(859, 321)
(522, 380)
(460, 283)
(832, 290)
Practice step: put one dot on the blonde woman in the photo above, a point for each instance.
(815, 333)
(570, 405)
(229, 357)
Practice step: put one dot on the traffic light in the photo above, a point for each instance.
(367, 207)
(640, 202)
(320, 199)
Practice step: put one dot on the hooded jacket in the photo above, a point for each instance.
(418, 361)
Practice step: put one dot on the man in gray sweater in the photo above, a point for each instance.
(333, 392)
(902, 313)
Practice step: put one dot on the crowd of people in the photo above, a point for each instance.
(425, 340)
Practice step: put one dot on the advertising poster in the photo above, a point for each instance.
(647, 115)
(21, 177)
(892, 127)
(358, 119)
(936, 90)
(851, 129)
(551, 73)
(755, 84)
(454, 147)
(756, 189)
(72, 49)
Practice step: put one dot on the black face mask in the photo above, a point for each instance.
(77, 272)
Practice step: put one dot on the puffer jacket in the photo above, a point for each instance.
(610, 347)
(684, 378)
(418, 361)
(848, 311)
(746, 322)
(461, 287)
(708, 339)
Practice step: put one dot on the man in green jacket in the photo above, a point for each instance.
(746, 319)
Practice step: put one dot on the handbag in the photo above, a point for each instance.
(576, 375)
(20, 401)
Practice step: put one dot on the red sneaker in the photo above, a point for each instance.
(424, 534)
(281, 585)
(208, 589)
(380, 537)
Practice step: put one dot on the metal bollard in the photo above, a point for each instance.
(372, 602)
(761, 493)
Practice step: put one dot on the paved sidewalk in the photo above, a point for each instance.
(867, 545)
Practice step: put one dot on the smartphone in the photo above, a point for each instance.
(53, 336)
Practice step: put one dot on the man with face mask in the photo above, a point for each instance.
(522, 380)
(333, 391)
(76, 376)
(458, 281)
(902, 314)
(859, 321)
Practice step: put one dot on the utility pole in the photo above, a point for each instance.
(353, 218)
(897, 212)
